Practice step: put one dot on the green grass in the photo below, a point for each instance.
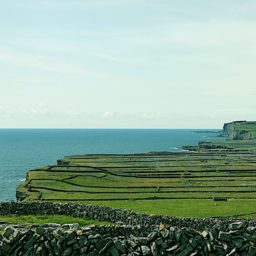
(223, 168)
(251, 127)
(187, 208)
(42, 219)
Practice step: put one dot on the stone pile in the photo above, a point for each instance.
(115, 241)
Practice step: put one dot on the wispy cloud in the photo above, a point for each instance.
(67, 5)
(127, 62)
(41, 62)
(196, 34)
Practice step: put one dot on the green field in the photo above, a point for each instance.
(185, 184)
(249, 126)
(42, 219)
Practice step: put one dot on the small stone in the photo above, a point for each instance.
(113, 250)
(105, 248)
(143, 240)
(188, 249)
(165, 233)
(252, 250)
(238, 242)
(173, 248)
(205, 234)
(40, 230)
(152, 236)
(159, 241)
(232, 252)
(224, 236)
(153, 248)
(102, 243)
(120, 246)
(8, 232)
(145, 250)
(68, 251)
(236, 225)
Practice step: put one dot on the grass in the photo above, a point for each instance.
(187, 208)
(222, 168)
(42, 219)
(251, 127)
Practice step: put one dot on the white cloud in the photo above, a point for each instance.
(107, 114)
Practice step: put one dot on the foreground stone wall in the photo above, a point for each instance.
(114, 215)
(106, 240)
(136, 234)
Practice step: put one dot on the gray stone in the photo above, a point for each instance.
(252, 250)
(120, 246)
(8, 232)
(113, 250)
(232, 252)
(173, 248)
(68, 251)
(165, 233)
(106, 246)
(236, 225)
(225, 236)
(145, 250)
(153, 248)
(186, 251)
(101, 244)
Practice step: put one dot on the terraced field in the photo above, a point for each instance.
(181, 184)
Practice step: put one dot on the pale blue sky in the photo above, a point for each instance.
(127, 63)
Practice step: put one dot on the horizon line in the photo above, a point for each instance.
(104, 128)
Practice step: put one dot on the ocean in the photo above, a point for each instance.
(25, 149)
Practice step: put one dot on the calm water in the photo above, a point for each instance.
(24, 149)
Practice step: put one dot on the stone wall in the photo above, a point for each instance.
(114, 215)
(134, 234)
(116, 241)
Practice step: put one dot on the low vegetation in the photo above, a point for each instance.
(215, 178)
(42, 219)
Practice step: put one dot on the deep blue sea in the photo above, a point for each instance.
(24, 149)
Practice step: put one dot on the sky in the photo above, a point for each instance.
(127, 63)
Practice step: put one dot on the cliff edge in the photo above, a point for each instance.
(240, 130)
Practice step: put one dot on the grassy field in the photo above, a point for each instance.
(42, 219)
(249, 126)
(178, 184)
(188, 207)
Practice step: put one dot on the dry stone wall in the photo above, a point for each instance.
(114, 215)
(115, 241)
(136, 234)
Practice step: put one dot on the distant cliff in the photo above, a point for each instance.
(240, 130)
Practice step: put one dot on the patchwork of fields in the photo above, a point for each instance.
(181, 184)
